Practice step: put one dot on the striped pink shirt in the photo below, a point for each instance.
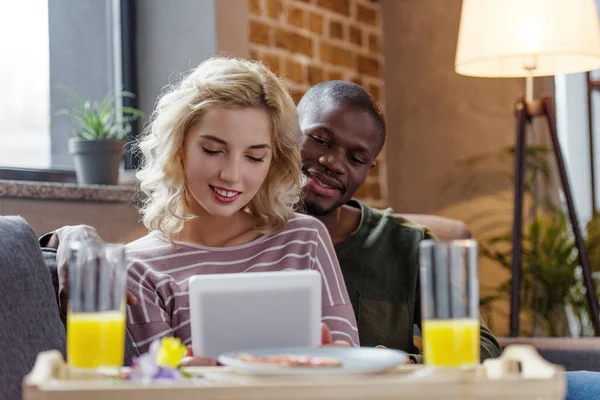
(158, 275)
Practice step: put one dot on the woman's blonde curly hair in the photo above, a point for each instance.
(218, 82)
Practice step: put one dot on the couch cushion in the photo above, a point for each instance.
(444, 228)
(573, 354)
(573, 359)
(29, 318)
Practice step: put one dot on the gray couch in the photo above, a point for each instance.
(29, 318)
(30, 321)
(573, 354)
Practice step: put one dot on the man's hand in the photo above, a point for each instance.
(61, 240)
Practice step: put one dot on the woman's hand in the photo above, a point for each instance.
(190, 361)
(326, 339)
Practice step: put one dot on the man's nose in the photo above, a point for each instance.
(333, 162)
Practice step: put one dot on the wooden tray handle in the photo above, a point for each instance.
(49, 365)
(519, 360)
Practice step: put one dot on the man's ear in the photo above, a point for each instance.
(373, 164)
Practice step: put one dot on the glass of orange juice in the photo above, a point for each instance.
(449, 303)
(96, 312)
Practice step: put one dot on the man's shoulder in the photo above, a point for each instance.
(385, 241)
(392, 223)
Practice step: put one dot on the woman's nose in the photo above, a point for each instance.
(231, 171)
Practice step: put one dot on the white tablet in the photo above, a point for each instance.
(254, 310)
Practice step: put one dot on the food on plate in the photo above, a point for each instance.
(292, 360)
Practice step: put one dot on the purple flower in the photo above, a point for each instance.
(168, 374)
(145, 368)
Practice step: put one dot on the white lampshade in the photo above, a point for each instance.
(499, 38)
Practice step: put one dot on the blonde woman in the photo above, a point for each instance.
(221, 172)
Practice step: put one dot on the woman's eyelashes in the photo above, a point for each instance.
(210, 152)
(256, 159)
(215, 152)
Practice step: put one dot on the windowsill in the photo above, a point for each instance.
(11, 189)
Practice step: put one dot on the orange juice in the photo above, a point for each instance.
(451, 342)
(96, 339)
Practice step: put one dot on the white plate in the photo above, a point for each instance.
(355, 360)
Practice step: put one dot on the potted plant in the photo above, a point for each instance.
(552, 290)
(97, 141)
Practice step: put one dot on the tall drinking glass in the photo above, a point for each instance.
(450, 303)
(96, 313)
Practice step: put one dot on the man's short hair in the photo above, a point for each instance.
(342, 93)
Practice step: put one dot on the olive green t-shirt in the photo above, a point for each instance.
(380, 263)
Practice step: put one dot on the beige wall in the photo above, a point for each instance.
(437, 118)
(115, 222)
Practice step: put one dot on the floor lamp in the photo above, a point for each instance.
(529, 38)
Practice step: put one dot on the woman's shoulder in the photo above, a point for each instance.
(304, 221)
(298, 227)
(151, 245)
(304, 225)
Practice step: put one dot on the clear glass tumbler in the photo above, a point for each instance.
(96, 312)
(450, 303)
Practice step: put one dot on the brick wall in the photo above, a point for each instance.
(310, 41)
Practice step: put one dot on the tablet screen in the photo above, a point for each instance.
(233, 312)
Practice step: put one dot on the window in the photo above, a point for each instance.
(93, 47)
(47, 46)
(573, 128)
(25, 82)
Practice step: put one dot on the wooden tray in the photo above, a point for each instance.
(520, 373)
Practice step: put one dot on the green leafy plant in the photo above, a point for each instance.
(551, 286)
(549, 261)
(94, 120)
(499, 166)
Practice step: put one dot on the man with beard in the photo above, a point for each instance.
(343, 132)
